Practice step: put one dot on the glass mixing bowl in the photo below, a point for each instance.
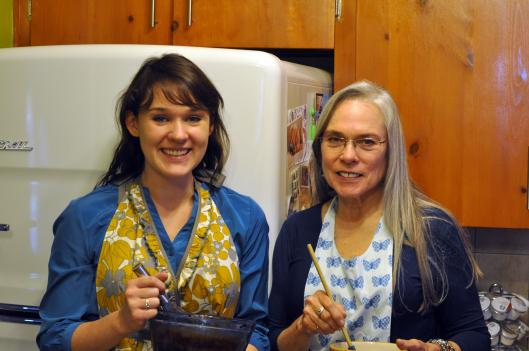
(174, 331)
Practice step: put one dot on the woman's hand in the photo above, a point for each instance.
(417, 345)
(321, 315)
(105, 333)
(141, 301)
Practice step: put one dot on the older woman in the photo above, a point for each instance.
(397, 262)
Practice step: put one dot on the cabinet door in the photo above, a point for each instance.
(255, 23)
(458, 72)
(99, 21)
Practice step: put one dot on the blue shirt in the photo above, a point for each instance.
(70, 298)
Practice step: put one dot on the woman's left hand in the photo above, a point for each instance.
(416, 345)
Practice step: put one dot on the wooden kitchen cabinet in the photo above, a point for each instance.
(255, 23)
(97, 22)
(220, 23)
(458, 70)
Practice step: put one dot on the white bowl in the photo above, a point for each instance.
(365, 346)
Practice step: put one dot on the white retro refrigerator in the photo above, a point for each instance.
(58, 132)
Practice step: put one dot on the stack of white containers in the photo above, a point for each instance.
(504, 314)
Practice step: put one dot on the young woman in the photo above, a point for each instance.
(161, 204)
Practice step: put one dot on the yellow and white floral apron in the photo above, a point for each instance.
(208, 279)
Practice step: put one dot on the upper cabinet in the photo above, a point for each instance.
(458, 70)
(255, 24)
(220, 23)
(99, 21)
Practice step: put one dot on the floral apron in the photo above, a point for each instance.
(208, 281)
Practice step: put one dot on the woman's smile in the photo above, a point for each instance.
(176, 152)
(349, 174)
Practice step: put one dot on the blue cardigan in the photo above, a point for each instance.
(458, 317)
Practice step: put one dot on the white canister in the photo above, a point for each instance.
(523, 329)
(508, 334)
(518, 307)
(499, 308)
(485, 307)
(494, 331)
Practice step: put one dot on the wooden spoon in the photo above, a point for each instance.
(350, 345)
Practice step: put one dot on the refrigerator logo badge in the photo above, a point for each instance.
(19, 145)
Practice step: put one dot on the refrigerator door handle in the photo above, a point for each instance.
(19, 314)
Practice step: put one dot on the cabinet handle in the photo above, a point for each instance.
(189, 12)
(153, 14)
(338, 9)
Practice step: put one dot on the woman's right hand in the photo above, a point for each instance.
(321, 315)
(141, 302)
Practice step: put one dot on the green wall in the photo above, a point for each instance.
(6, 23)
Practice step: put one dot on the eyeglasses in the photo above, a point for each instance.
(338, 143)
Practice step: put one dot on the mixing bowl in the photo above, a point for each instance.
(365, 346)
(173, 331)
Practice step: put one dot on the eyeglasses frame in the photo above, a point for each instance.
(348, 140)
